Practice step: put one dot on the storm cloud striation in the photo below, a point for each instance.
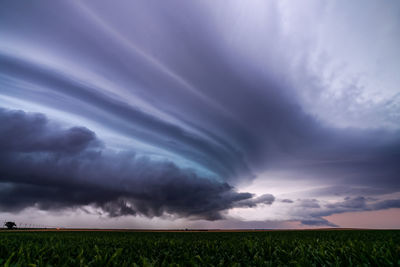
(142, 109)
(53, 168)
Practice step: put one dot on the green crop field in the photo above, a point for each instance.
(277, 248)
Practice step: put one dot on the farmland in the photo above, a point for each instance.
(274, 248)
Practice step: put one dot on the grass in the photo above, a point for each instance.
(276, 248)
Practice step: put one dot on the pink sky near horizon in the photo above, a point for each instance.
(378, 219)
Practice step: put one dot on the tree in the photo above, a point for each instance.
(10, 225)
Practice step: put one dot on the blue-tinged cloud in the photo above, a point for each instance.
(129, 120)
(48, 167)
(218, 86)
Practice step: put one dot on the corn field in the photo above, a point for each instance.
(276, 248)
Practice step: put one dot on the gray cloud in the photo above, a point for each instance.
(236, 120)
(27, 134)
(220, 159)
(217, 90)
(285, 137)
(361, 203)
(386, 204)
(266, 199)
(309, 203)
(311, 212)
(53, 168)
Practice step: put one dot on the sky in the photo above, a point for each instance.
(200, 114)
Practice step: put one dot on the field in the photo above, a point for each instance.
(274, 248)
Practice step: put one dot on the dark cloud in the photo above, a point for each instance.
(311, 212)
(361, 203)
(188, 83)
(386, 204)
(236, 121)
(286, 200)
(349, 203)
(266, 199)
(52, 168)
(345, 191)
(309, 203)
(21, 133)
(217, 157)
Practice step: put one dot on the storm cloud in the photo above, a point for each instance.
(311, 212)
(52, 168)
(140, 108)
